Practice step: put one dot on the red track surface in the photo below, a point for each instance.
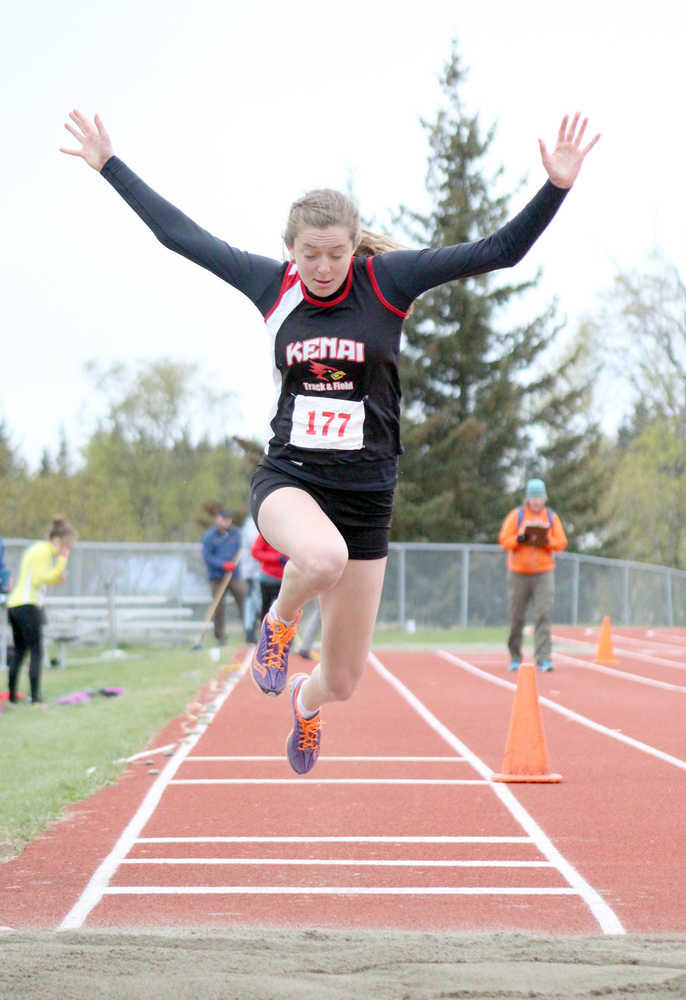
(418, 843)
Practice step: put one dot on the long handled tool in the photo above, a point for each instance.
(221, 590)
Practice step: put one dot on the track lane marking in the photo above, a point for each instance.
(632, 654)
(677, 648)
(97, 884)
(333, 890)
(327, 781)
(340, 862)
(605, 916)
(324, 758)
(335, 840)
(569, 713)
(615, 672)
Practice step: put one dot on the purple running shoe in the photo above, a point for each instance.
(270, 659)
(302, 745)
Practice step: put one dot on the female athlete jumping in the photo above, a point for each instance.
(323, 493)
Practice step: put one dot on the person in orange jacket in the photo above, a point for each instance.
(531, 534)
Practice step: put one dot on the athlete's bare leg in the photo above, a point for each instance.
(293, 523)
(318, 566)
(349, 613)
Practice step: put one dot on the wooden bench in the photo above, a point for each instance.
(110, 619)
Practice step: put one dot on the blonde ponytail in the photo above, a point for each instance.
(374, 243)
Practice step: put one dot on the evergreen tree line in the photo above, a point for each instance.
(142, 475)
(486, 405)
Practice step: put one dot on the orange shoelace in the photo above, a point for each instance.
(281, 638)
(308, 734)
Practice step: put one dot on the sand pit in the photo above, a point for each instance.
(316, 965)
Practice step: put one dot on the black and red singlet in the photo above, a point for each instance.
(337, 413)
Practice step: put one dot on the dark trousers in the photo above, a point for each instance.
(26, 621)
(537, 589)
(270, 587)
(239, 590)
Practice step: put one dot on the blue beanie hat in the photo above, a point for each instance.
(535, 488)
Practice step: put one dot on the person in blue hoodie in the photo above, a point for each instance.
(4, 571)
(221, 546)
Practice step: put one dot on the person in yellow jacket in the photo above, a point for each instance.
(42, 564)
(531, 534)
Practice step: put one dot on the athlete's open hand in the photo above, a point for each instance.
(96, 147)
(564, 162)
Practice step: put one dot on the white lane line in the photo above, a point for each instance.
(339, 862)
(614, 672)
(326, 781)
(334, 840)
(617, 636)
(632, 654)
(97, 886)
(662, 636)
(614, 734)
(325, 759)
(333, 890)
(607, 919)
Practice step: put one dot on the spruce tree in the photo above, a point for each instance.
(468, 377)
(569, 450)
(11, 463)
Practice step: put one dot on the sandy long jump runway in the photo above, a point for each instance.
(398, 826)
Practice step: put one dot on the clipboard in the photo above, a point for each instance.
(537, 534)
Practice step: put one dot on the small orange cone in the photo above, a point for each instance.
(605, 655)
(525, 754)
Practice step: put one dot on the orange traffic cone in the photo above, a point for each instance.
(525, 754)
(605, 655)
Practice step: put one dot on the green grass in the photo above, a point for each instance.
(390, 635)
(54, 755)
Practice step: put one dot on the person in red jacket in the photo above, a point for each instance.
(531, 534)
(272, 564)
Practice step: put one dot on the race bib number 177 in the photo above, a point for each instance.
(327, 423)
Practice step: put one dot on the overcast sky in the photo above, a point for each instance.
(231, 110)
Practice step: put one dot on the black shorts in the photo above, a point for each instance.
(362, 517)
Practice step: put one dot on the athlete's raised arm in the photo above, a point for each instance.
(564, 162)
(257, 277)
(405, 274)
(96, 146)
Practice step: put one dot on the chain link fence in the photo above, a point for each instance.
(432, 585)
